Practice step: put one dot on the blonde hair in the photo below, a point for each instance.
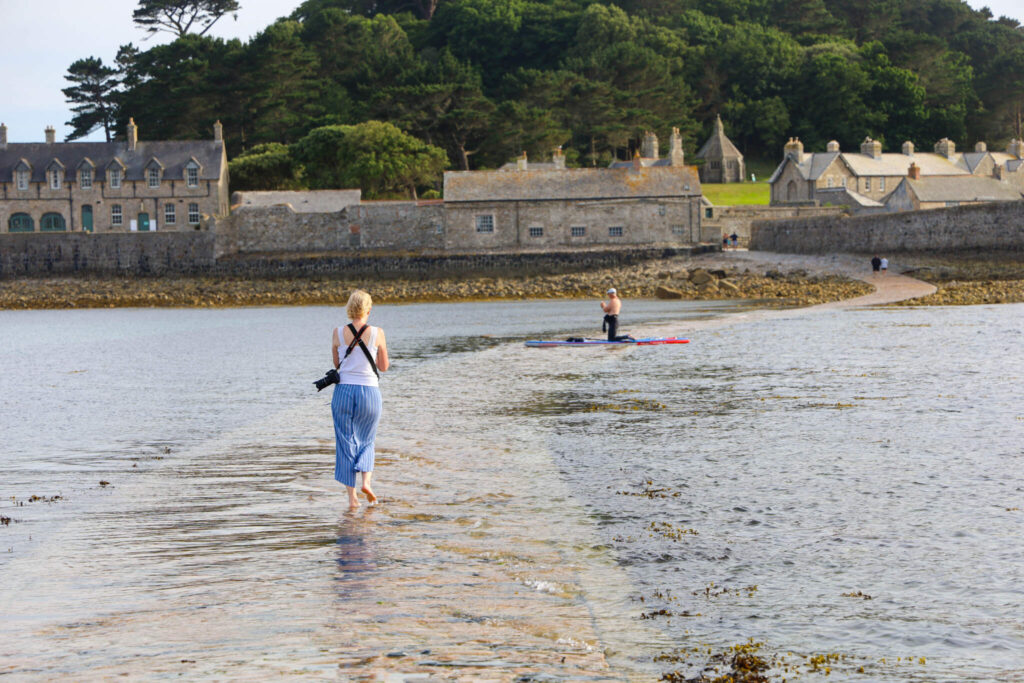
(359, 305)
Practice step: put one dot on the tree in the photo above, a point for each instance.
(375, 156)
(93, 95)
(179, 16)
(266, 167)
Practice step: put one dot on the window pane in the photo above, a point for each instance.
(86, 178)
(193, 213)
(115, 178)
(115, 215)
(20, 222)
(615, 231)
(154, 177)
(192, 176)
(578, 230)
(485, 223)
(536, 232)
(169, 215)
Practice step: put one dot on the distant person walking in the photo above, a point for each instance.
(611, 310)
(885, 265)
(876, 263)
(356, 404)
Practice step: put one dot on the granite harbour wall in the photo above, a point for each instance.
(996, 225)
(136, 253)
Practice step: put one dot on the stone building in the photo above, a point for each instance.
(123, 186)
(649, 154)
(631, 205)
(723, 163)
(865, 180)
(916, 192)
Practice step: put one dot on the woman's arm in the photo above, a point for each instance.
(335, 343)
(382, 352)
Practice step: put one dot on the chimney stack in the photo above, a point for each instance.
(132, 133)
(521, 163)
(51, 135)
(558, 158)
(832, 146)
(795, 149)
(3, 136)
(649, 149)
(218, 131)
(1016, 148)
(914, 172)
(945, 147)
(980, 147)
(675, 148)
(871, 148)
(908, 148)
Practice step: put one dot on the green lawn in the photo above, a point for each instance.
(731, 194)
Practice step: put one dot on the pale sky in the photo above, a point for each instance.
(38, 48)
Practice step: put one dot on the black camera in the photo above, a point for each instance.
(327, 380)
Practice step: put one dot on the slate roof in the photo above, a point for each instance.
(312, 201)
(862, 165)
(846, 195)
(646, 163)
(718, 146)
(571, 184)
(969, 189)
(172, 154)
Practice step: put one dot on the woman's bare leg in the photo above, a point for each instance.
(366, 488)
(353, 500)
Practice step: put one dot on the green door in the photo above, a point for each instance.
(143, 222)
(87, 218)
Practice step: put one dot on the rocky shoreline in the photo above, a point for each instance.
(734, 275)
(676, 278)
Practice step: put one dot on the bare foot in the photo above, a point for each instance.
(353, 503)
(370, 497)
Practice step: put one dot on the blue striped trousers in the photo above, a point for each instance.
(356, 411)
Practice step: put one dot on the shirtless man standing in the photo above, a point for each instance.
(611, 310)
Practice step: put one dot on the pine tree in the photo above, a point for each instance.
(180, 16)
(93, 95)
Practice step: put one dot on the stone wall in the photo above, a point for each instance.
(135, 253)
(496, 264)
(369, 225)
(726, 220)
(998, 225)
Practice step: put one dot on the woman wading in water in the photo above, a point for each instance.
(360, 353)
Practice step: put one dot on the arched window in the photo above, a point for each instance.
(52, 222)
(21, 222)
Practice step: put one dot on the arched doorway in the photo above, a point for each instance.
(52, 222)
(20, 222)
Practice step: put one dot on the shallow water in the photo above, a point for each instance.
(562, 512)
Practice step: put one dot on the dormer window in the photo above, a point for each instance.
(153, 177)
(115, 178)
(54, 177)
(85, 179)
(192, 174)
(22, 179)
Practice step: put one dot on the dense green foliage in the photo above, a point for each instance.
(374, 156)
(486, 79)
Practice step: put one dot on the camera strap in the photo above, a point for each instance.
(357, 339)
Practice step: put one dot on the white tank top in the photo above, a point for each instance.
(356, 368)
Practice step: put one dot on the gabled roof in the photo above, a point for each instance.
(173, 154)
(815, 164)
(962, 189)
(846, 195)
(811, 168)
(571, 184)
(718, 146)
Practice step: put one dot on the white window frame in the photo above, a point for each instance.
(831, 181)
(844, 182)
(193, 213)
(867, 184)
(54, 178)
(115, 178)
(191, 175)
(22, 179)
(485, 223)
(153, 177)
(170, 214)
(536, 231)
(881, 184)
(116, 215)
(578, 231)
(616, 231)
(85, 179)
